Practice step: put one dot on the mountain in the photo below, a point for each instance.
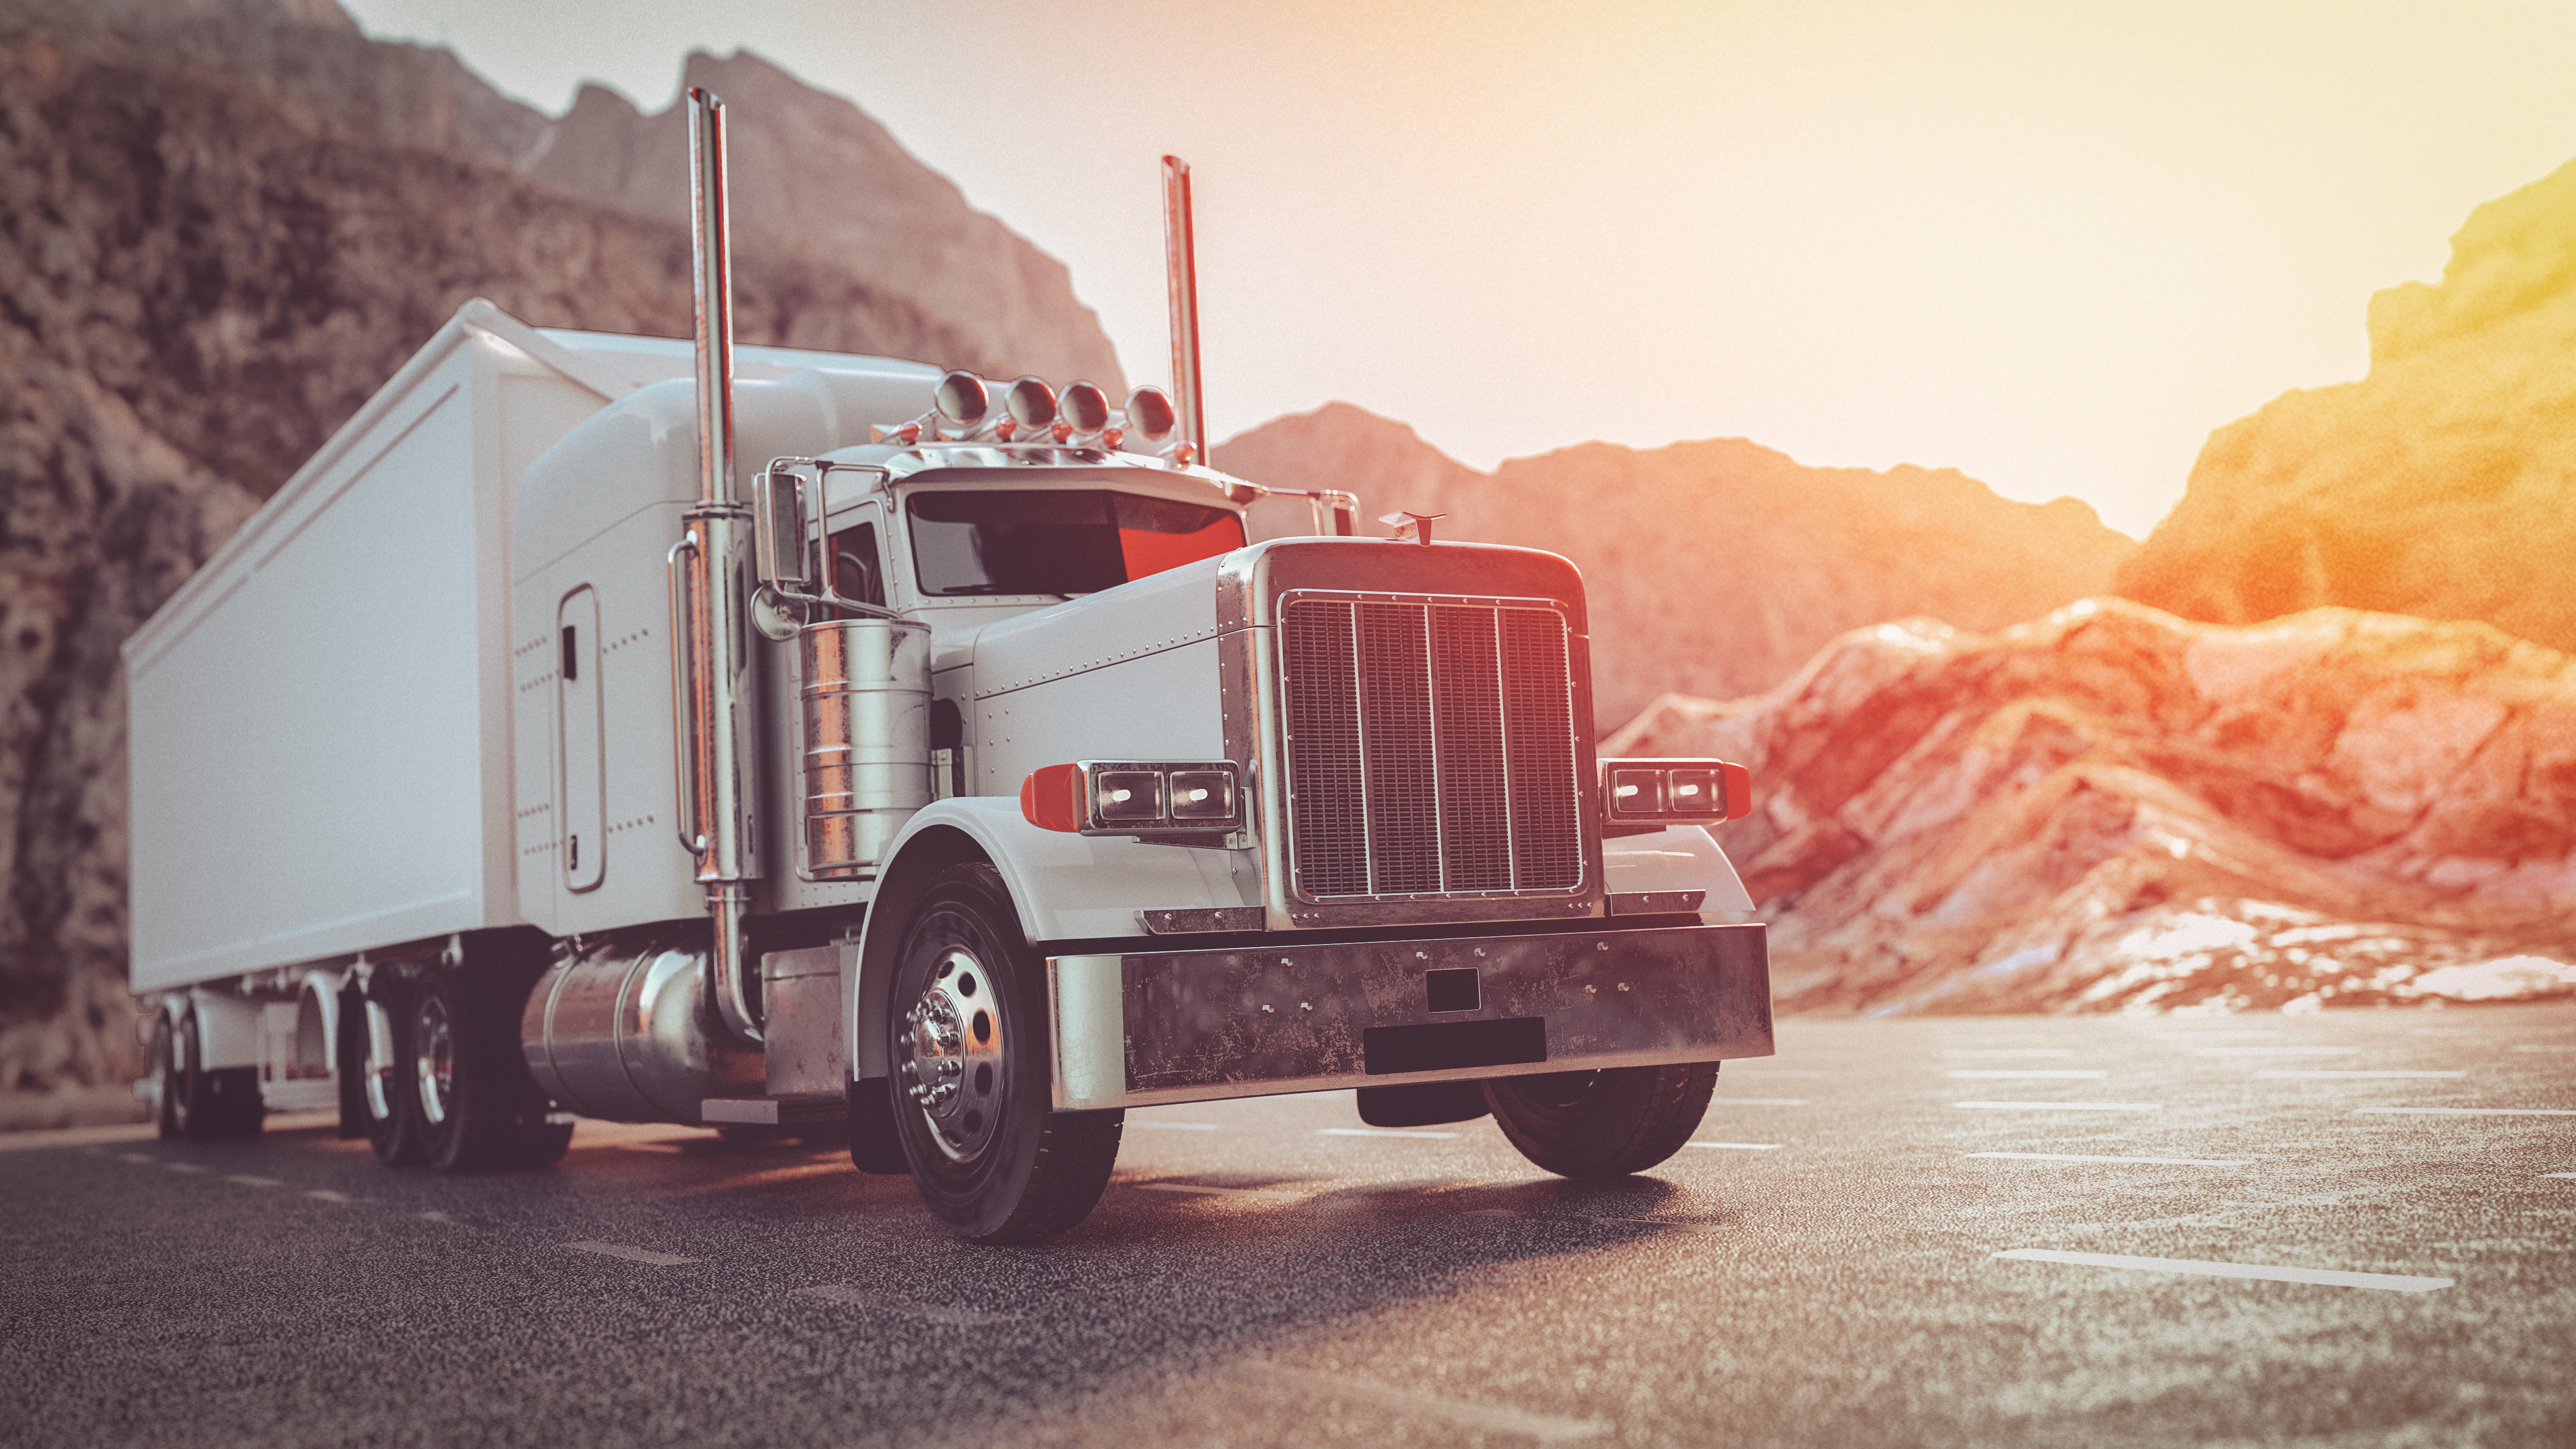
(2113, 809)
(1719, 567)
(2443, 484)
(224, 223)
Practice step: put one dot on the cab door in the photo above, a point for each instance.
(579, 751)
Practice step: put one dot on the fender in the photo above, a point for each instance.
(227, 1030)
(1677, 858)
(1065, 887)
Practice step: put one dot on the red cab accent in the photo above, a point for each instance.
(1051, 798)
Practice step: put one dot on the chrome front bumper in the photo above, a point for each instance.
(1140, 1028)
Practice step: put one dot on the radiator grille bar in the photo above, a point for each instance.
(1430, 749)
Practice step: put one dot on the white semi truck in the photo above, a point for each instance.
(974, 781)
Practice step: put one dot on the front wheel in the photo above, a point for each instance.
(1606, 1123)
(971, 1073)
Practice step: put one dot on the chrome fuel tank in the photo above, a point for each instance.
(622, 1034)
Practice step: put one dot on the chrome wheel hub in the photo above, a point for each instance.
(434, 1059)
(950, 1052)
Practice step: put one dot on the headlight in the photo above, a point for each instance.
(1126, 797)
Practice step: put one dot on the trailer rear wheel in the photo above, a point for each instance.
(165, 1076)
(201, 1103)
(393, 1127)
(1607, 1123)
(971, 1079)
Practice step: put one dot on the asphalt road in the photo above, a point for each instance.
(1822, 1268)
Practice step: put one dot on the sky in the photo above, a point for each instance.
(2052, 245)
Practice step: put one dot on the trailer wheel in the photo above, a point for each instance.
(393, 1128)
(478, 1108)
(1607, 1123)
(968, 1044)
(165, 1076)
(202, 1104)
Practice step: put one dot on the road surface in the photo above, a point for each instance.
(2352, 1228)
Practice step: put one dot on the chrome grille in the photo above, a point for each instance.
(1430, 749)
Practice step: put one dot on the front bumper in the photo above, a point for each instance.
(1146, 1027)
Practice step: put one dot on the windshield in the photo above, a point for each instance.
(1058, 542)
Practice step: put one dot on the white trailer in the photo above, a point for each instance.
(981, 781)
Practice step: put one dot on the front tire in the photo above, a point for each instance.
(1607, 1123)
(972, 1073)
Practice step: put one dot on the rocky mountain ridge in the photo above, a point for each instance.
(1716, 567)
(2111, 808)
(2442, 484)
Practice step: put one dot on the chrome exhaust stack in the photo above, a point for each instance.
(714, 701)
(1180, 252)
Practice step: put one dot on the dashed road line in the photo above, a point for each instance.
(935, 1313)
(2083, 1157)
(246, 1180)
(1995, 1054)
(186, 1167)
(2062, 1106)
(2257, 1051)
(1484, 1415)
(632, 1255)
(327, 1195)
(136, 1157)
(2029, 1075)
(1738, 1146)
(2464, 1112)
(1197, 1187)
(1374, 1132)
(2334, 1278)
(440, 1217)
(2278, 1075)
(2569, 1175)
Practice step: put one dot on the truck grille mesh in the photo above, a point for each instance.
(1430, 749)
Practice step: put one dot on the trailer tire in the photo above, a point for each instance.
(202, 1103)
(478, 1107)
(393, 1125)
(993, 1161)
(165, 1076)
(1606, 1123)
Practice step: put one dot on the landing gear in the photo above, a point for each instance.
(971, 1073)
(1602, 1124)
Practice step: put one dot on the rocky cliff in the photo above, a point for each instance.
(203, 270)
(2115, 809)
(1720, 567)
(2443, 484)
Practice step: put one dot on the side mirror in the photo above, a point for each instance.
(778, 530)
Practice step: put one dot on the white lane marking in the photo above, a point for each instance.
(186, 1167)
(2276, 1051)
(2333, 1278)
(860, 1297)
(2035, 1075)
(1993, 1054)
(136, 1157)
(1175, 1126)
(1486, 1415)
(1738, 1146)
(2081, 1157)
(327, 1195)
(1374, 1132)
(246, 1180)
(439, 1217)
(2062, 1106)
(1285, 1192)
(2291, 1076)
(1757, 1101)
(2569, 1175)
(632, 1255)
(2465, 1111)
